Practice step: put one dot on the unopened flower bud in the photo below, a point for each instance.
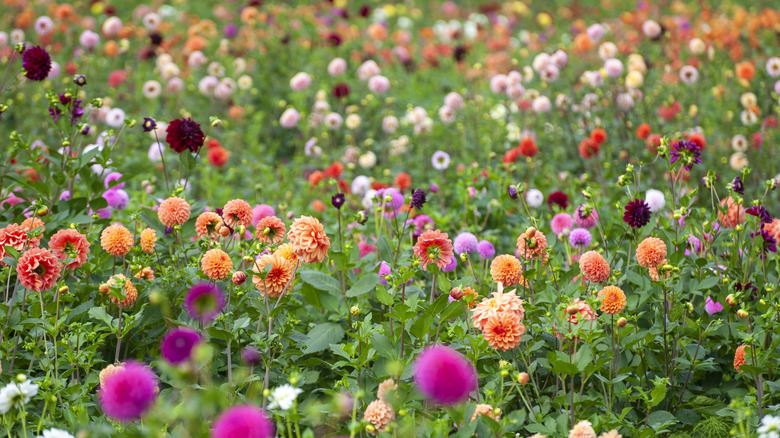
(731, 300)
(456, 293)
(354, 310)
(622, 322)
(742, 313)
(103, 288)
(239, 278)
(523, 378)
(224, 231)
(571, 310)
(63, 290)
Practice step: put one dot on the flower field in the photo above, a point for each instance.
(260, 219)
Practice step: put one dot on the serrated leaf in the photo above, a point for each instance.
(366, 284)
(322, 335)
(100, 314)
(321, 281)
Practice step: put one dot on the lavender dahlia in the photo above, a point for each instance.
(485, 249)
(465, 243)
(177, 345)
(637, 213)
(129, 393)
(580, 238)
(444, 375)
(37, 63)
(204, 302)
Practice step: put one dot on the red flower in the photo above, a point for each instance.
(38, 269)
(334, 170)
(433, 247)
(652, 143)
(184, 134)
(67, 243)
(403, 181)
(588, 148)
(698, 139)
(511, 155)
(218, 156)
(643, 130)
(598, 135)
(528, 147)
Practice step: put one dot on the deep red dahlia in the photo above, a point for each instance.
(36, 63)
(184, 134)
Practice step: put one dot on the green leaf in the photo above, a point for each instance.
(660, 420)
(384, 296)
(658, 393)
(100, 314)
(366, 284)
(453, 310)
(322, 335)
(383, 346)
(708, 283)
(421, 326)
(321, 281)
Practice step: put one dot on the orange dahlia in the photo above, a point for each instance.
(70, 244)
(128, 291)
(385, 386)
(773, 228)
(467, 291)
(594, 267)
(173, 211)
(435, 247)
(286, 251)
(484, 409)
(208, 224)
(237, 212)
(583, 429)
(146, 273)
(507, 270)
(216, 264)
(582, 309)
(531, 244)
(655, 275)
(613, 300)
(271, 229)
(734, 216)
(651, 252)
(380, 414)
(14, 236)
(33, 225)
(116, 240)
(277, 279)
(503, 331)
(308, 239)
(739, 357)
(38, 269)
(148, 239)
(500, 303)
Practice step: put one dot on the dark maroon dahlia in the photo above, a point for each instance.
(558, 198)
(340, 90)
(183, 134)
(637, 213)
(36, 63)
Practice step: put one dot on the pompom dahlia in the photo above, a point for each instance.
(184, 134)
